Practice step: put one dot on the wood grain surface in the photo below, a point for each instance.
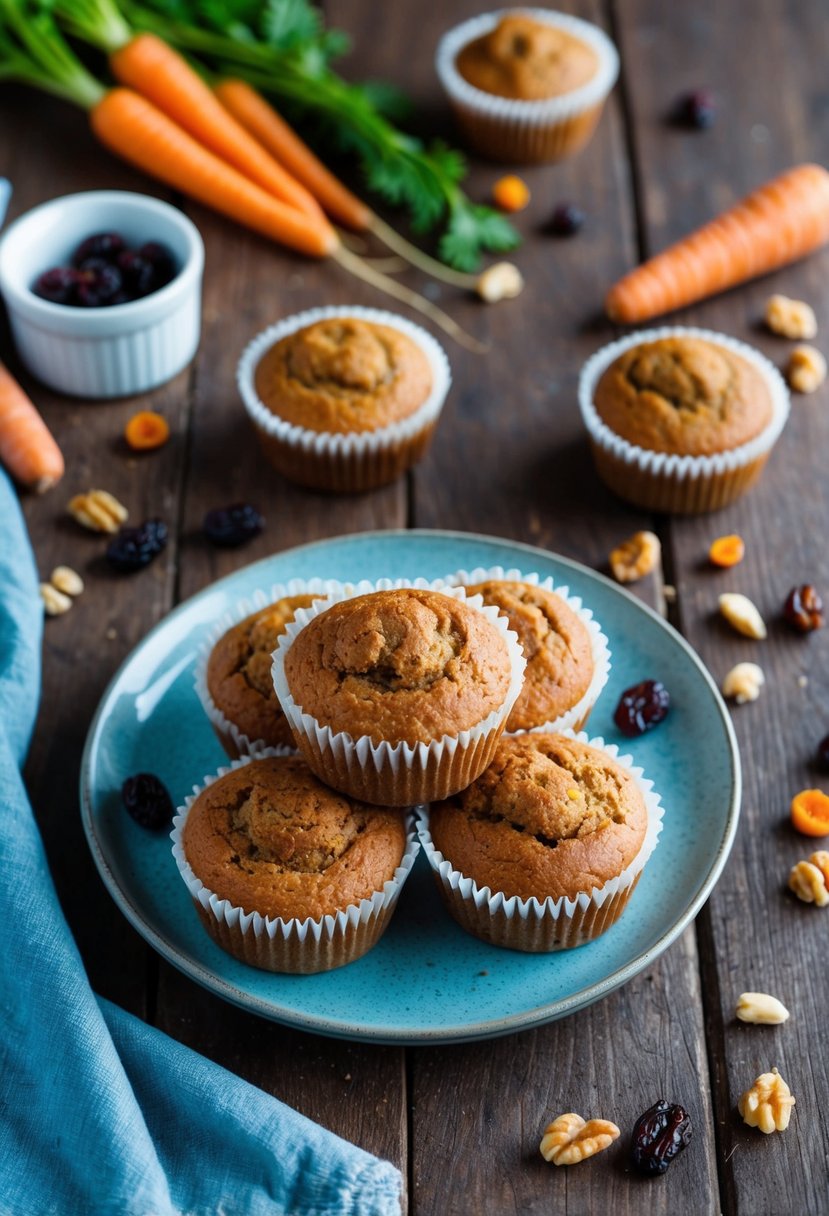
(463, 1122)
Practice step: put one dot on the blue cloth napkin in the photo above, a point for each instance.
(100, 1114)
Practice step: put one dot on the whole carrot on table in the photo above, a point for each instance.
(27, 448)
(779, 222)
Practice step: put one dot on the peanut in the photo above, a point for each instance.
(761, 1008)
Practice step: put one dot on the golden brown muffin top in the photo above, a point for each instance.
(343, 374)
(683, 395)
(239, 672)
(556, 645)
(527, 60)
(273, 839)
(404, 666)
(549, 817)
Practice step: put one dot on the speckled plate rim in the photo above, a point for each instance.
(407, 1035)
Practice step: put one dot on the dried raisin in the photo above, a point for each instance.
(642, 707)
(662, 1132)
(148, 801)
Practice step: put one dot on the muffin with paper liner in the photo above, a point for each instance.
(545, 849)
(397, 692)
(286, 874)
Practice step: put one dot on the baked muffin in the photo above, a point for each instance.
(554, 836)
(269, 840)
(394, 694)
(240, 699)
(343, 399)
(681, 419)
(527, 85)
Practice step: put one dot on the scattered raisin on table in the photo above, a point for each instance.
(566, 220)
(148, 801)
(823, 753)
(134, 548)
(642, 707)
(231, 526)
(659, 1135)
(696, 110)
(803, 609)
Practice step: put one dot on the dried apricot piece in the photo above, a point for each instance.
(146, 430)
(511, 193)
(726, 551)
(810, 812)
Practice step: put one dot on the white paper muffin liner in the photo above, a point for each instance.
(515, 129)
(542, 926)
(227, 731)
(575, 717)
(397, 774)
(352, 460)
(665, 480)
(295, 946)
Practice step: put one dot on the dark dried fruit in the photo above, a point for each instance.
(134, 548)
(148, 801)
(803, 609)
(823, 753)
(697, 110)
(98, 283)
(138, 274)
(566, 220)
(106, 245)
(161, 260)
(230, 526)
(642, 707)
(658, 1136)
(58, 285)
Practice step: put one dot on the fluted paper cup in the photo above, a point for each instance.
(388, 773)
(660, 481)
(543, 926)
(300, 947)
(358, 460)
(526, 132)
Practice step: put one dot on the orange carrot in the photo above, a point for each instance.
(152, 68)
(262, 121)
(133, 128)
(782, 220)
(27, 448)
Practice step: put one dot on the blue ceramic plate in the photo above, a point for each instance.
(426, 980)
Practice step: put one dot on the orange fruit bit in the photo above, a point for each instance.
(511, 193)
(810, 812)
(726, 551)
(146, 430)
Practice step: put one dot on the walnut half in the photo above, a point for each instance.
(569, 1139)
(768, 1104)
(635, 557)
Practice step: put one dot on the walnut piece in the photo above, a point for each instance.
(768, 1104)
(568, 1139)
(761, 1008)
(790, 318)
(806, 369)
(98, 511)
(742, 614)
(743, 683)
(502, 281)
(635, 557)
(54, 601)
(66, 580)
(810, 880)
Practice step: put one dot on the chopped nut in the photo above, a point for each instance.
(66, 580)
(742, 615)
(502, 281)
(790, 318)
(98, 511)
(809, 883)
(806, 369)
(54, 601)
(568, 1139)
(768, 1104)
(669, 593)
(821, 860)
(744, 682)
(761, 1008)
(635, 557)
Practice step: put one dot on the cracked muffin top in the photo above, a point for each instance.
(683, 395)
(527, 60)
(549, 817)
(406, 665)
(273, 839)
(556, 645)
(239, 672)
(344, 374)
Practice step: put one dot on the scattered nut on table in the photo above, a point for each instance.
(743, 683)
(810, 879)
(768, 1104)
(569, 1139)
(98, 511)
(54, 601)
(790, 318)
(806, 369)
(502, 281)
(742, 614)
(635, 557)
(66, 580)
(761, 1008)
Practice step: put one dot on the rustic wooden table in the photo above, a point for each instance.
(463, 1122)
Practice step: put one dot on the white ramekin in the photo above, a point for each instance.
(102, 352)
